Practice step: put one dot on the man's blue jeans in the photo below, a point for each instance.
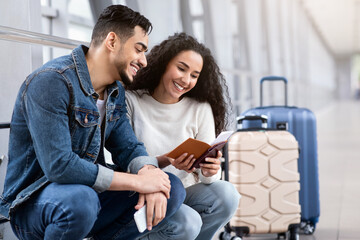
(72, 211)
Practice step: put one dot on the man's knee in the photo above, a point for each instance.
(84, 205)
(64, 209)
(80, 203)
(177, 194)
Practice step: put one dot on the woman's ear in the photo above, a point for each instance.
(111, 41)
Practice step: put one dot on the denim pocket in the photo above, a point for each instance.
(85, 131)
(86, 118)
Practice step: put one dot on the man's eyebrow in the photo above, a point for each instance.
(188, 66)
(144, 47)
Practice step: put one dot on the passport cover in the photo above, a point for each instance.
(199, 149)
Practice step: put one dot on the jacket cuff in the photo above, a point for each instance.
(139, 162)
(103, 179)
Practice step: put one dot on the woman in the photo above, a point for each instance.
(180, 94)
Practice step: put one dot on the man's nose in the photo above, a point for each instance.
(142, 60)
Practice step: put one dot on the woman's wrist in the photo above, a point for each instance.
(163, 161)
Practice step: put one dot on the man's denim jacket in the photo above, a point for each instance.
(55, 133)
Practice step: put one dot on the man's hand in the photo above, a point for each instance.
(152, 180)
(156, 204)
(148, 180)
(212, 167)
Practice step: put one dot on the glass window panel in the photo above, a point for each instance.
(122, 2)
(198, 27)
(79, 32)
(44, 2)
(80, 8)
(196, 7)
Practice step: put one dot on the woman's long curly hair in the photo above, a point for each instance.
(210, 87)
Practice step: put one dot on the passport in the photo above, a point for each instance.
(200, 149)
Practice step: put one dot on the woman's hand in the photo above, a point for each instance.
(212, 166)
(184, 162)
(163, 160)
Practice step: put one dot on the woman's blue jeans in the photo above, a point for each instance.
(72, 211)
(206, 209)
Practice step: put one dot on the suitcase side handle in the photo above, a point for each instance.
(273, 78)
(262, 118)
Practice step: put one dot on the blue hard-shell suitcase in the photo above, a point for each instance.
(301, 122)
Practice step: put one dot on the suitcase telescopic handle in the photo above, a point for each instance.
(262, 118)
(4, 125)
(273, 78)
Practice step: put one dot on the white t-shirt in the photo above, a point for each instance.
(101, 105)
(162, 127)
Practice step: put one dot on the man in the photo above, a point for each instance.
(58, 185)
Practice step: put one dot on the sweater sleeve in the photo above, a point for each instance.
(206, 133)
(205, 124)
(208, 180)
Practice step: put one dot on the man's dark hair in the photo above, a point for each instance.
(120, 20)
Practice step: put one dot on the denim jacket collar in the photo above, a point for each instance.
(82, 71)
(78, 55)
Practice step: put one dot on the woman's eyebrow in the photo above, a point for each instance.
(183, 63)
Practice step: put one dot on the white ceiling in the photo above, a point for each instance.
(338, 22)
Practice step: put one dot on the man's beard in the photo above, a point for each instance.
(125, 78)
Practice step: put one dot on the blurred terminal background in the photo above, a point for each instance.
(313, 43)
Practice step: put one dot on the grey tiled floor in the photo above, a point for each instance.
(339, 170)
(339, 174)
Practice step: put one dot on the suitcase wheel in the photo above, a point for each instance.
(307, 228)
(227, 236)
(241, 231)
(294, 236)
(294, 231)
(224, 236)
(236, 238)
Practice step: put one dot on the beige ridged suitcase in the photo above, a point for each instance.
(262, 165)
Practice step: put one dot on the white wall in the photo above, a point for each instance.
(164, 16)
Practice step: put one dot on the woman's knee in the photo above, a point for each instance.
(229, 196)
(188, 223)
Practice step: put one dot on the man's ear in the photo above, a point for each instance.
(111, 41)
